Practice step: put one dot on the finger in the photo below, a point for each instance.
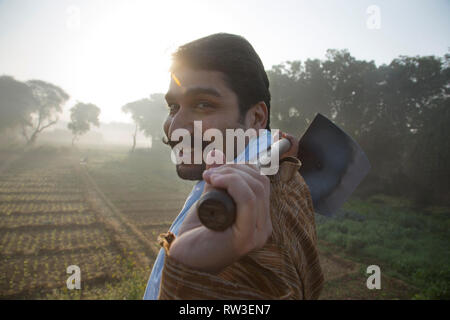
(246, 201)
(293, 150)
(250, 169)
(253, 221)
(251, 172)
(249, 176)
(277, 136)
(260, 185)
(254, 225)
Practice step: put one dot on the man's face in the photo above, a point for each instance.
(200, 95)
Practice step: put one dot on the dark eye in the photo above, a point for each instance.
(203, 105)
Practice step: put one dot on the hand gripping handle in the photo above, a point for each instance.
(216, 209)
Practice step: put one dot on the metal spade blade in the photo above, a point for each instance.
(333, 164)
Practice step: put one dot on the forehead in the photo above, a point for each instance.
(183, 80)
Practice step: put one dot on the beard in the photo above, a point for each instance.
(190, 171)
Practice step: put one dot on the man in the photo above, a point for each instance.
(270, 251)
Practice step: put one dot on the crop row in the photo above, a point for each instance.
(43, 175)
(31, 274)
(150, 205)
(40, 197)
(37, 184)
(10, 208)
(46, 219)
(33, 242)
(140, 217)
(117, 193)
(40, 190)
(152, 198)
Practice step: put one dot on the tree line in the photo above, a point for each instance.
(35, 105)
(398, 112)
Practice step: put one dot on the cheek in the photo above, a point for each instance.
(216, 123)
(220, 124)
(220, 121)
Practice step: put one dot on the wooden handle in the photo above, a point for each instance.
(216, 210)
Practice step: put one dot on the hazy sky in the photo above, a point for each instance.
(113, 52)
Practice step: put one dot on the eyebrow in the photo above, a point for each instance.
(195, 91)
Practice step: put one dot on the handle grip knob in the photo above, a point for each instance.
(216, 209)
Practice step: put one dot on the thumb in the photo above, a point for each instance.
(293, 150)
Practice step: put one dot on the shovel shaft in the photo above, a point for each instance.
(216, 209)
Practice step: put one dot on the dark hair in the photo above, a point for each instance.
(234, 56)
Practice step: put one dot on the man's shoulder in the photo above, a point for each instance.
(290, 199)
(288, 178)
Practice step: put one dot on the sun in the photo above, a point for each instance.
(122, 50)
(122, 55)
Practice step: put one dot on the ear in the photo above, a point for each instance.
(257, 116)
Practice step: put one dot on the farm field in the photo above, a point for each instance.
(105, 214)
(52, 217)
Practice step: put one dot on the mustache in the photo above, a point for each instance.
(173, 143)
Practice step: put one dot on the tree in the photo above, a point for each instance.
(16, 102)
(398, 113)
(148, 115)
(82, 116)
(156, 116)
(340, 87)
(49, 101)
(426, 104)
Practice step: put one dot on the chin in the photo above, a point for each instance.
(191, 171)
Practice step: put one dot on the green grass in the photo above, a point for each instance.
(410, 244)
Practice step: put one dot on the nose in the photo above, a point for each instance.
(181, 120)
